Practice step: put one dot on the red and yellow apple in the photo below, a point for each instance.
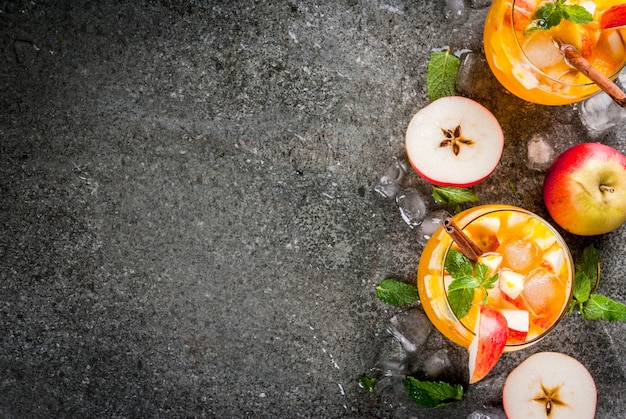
(488, 344)
(585, 189)
(454, 141)
(549, 385)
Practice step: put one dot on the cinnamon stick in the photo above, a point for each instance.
(576, 60)
(465, 244)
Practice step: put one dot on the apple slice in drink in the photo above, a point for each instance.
(518, 322)
(489, 340)
(549, 385)
(614, 17)
(454, 141)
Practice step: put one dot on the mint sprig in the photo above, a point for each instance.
(396, 293)
(367, 383)
(441, 73)
(452, 195)
(466, 279)
(432, 393)
(550, 15)
(593, 306)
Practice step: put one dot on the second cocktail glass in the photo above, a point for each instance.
(527, 60)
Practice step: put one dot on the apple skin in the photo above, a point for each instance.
(488, 344)
(571, 388)
(573, 194)
(614, 17)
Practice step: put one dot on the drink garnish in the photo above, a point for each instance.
(467, 277)
(396, 293)
(441, 73)
(593, 306)
(432, 393)
(550, 14)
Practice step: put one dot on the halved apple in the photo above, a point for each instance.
(488, 344)
(614, 17)
(549, 385)
(454, 141)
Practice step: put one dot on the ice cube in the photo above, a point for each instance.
(600, 112)
(432, 221)
(391, 180)
(410, 328)
(542, 51)
(455, 11)
(543, 292)
(540, 152)
(520, 254)
(480, 4)
(474, 78)
(412, 207)
(437, 363)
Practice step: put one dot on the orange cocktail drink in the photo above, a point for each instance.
(524, 51)
(534, 267)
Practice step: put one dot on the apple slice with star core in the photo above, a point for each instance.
(488, 343)
(454, 141)
(584, 189)
(549, 385)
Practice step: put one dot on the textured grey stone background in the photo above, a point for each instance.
(188, 220)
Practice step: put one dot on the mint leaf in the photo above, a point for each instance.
(441, 73)
(466, 279)
(396, 293)
(586, 277)
(457, 265)
(367, 383)
(453, 196)
(601, 307)
(432, 393)
(460, 301)
(550, 15)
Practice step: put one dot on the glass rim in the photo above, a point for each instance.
(612, 76)
(568, 255)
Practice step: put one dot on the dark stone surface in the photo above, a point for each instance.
(188, 220)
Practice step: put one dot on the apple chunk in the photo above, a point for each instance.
(488, 343)
(549, 385)
(584, 189)
(454, 141)
(614, 17)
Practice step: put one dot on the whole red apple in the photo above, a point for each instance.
(585, 189)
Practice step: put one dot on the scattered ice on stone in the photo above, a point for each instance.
(437, 363)
(432, 221)
(600, 112)
(412, 207)
(486, 415)
(411, 328)
(455, 11)
(390, 182)
(474, 78)
(540, 152)
(480, 4)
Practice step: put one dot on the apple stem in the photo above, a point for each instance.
(605, 188)
(466, 246)
(576, 60)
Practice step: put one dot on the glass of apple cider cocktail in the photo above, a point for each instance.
(524, 47)
(532, 263)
